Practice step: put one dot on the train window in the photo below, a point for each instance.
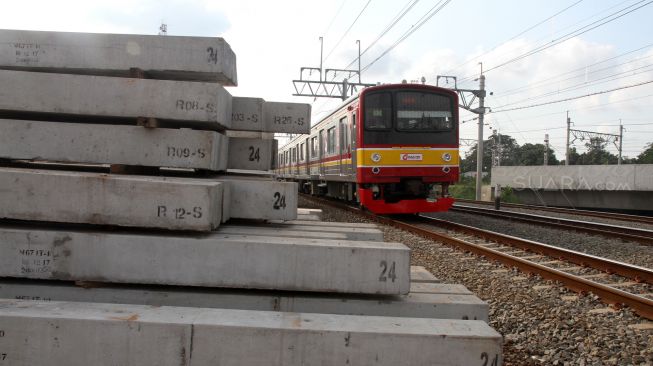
(344, 136)
(378, 111)
(421, 111)
(322, 143)
(301, 151)
(314, 146)
(331, 140)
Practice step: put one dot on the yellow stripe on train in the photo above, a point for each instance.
(406, 156)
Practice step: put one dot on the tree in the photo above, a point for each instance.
(533, 154)
(597, 154)
(508, 150)
(646, 157)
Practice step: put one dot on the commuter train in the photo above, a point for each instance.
(391, 148)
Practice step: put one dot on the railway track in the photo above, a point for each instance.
(604, 215)
(641, 236)
(616, 283)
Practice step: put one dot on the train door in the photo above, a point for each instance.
(343, 145)
(354, 145)
(321, 149)
(307, 168)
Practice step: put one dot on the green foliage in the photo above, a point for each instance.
(646, 157)
(508, 194)
(465, 189)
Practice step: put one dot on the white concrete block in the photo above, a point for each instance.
(421, 274)
(307, 217)
(287, 117)
(60, 333)
(277, 232)
(251, 154)
(260, 198)
(330, 224)
(176, 103)
(441, 306)
(351, 233)
(95, 198)
(170, 57)
(107, 144)
(438, 288)
(255, 114)
(208, 260)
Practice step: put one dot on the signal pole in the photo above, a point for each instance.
(546, 149)
(621, 140)
(568, 131)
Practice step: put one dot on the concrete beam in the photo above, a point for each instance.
(421, 274)
(255, 114)
(208, 260)
(438, 288)
(260, 198)
(251, 154)
(106, 199)
(61, 333)
(441, 306)
(350, 233)
(175, 103)
(102, 144)
(170, 57)
(330, 224)
(264, 231)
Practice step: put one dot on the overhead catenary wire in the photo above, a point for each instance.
(513, 37)
(348, 29)
(572, 98)
(579, 31)
(434, 10)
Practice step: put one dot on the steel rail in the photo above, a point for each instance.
(606, 215)
(621, 232)
(610, 295)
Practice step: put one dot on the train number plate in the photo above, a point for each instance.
(410, 157)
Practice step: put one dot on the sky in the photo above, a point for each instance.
(532, 52)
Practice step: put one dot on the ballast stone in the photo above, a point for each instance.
(440, 306)
(175, 103)
(143, 335)
(107, 199)
(108, 144)
(207, 260)
(207, 59)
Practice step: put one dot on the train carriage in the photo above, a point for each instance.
(392, 148)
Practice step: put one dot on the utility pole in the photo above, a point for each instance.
(546, 149)
(568, 130)
(621, 140)
(321, 52)
(358, 41)
(467, 104)
(479, 146)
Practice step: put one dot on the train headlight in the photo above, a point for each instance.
(376, 157)
(446, 157)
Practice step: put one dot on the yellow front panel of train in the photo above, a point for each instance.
(370, 157)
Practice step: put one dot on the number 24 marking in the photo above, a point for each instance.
(391, 272)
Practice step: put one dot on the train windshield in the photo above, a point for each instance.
(409, 117)
(420, 112)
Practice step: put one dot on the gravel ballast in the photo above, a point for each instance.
(542, 322)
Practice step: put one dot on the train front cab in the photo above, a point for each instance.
(408, 151)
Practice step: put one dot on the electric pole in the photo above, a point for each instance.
(467, 105)
(621, 140)
(568, 130)
(479, 146)
(546, 149)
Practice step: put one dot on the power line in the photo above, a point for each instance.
(434, 10)
(610, 18)
(512, 38)
(334, 18)
(584, 84)
(573, 98)
(348, 29)
(581, 69)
